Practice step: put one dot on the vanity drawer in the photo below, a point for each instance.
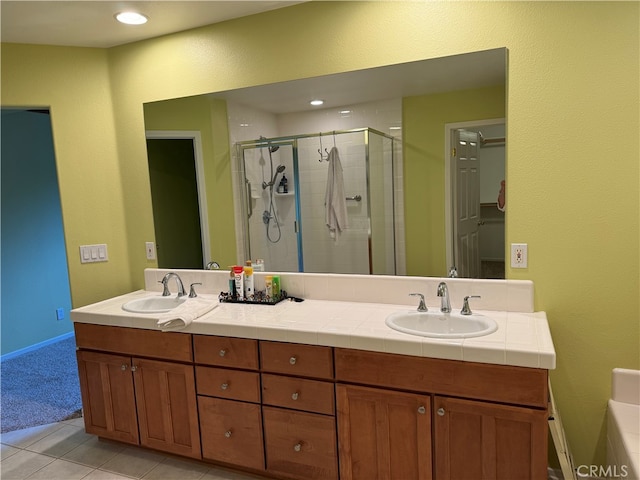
(226, 351)
(480, 381)
(300, 444)
(294, 359)
(226, 383)
(298, 393)
(134, 341)
(231, 432)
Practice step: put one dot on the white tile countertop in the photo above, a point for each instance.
(523, 337)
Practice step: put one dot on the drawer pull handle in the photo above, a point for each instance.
(223, 352)
(123, 367)
(293, 360)
(422, 410)
(224, 386)
(441, 412)
(297, 447)
(228, 433)
(294, 396)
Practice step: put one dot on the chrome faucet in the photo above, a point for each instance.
(443, 293)
(165, 284)
(422, 307)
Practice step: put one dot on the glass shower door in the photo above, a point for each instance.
(271, 212)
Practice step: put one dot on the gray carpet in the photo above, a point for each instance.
(40, 387)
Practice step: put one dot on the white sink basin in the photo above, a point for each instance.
(441, 325)
(153, 304)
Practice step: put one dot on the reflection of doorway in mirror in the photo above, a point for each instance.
(489, 249)
(178, 202)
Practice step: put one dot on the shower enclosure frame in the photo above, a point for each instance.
(292, 140)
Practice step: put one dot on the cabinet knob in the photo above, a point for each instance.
(133, 368)
(124, 367)
(297, 447)
(224, 386)
(293, 360)
(422, 410)
(228, 433)
(223, 352)
(440, 412)
(294, 396)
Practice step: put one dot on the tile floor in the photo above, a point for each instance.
(63, 451)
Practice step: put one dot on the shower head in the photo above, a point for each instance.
(273, 148)
(280, 168)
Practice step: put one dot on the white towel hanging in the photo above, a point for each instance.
(335, 199)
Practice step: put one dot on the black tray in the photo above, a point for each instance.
(259, 299)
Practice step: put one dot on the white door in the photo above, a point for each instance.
(467, 204)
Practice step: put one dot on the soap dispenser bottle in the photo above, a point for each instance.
(283, 186)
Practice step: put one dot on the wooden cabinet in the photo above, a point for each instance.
(137, 400)
(228, 386)
(298, 410)
(483, 440)
(497, 430)
(383, 435)
(108, 397)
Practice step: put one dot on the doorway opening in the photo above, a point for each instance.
(178, 196)
(475, 166)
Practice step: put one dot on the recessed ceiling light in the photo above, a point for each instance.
(131, 18)
(316, 103)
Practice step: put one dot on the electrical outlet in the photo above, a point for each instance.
(151, 250)
(59, 313)
(519, 255)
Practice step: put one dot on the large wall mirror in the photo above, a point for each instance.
(417, 151)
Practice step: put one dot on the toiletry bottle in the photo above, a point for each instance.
(268, 284)
(238, 275)
(248, 281)
(275, 286)
(284, 183)
(232, 284)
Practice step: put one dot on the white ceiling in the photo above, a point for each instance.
(91, 23)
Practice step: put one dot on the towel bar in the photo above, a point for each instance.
(357, 198)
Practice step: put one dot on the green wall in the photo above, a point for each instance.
(572, 156)
(209, 117)
(423, 142)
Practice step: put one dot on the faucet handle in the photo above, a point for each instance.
(422, 307)
(192, 291)
(465, 305)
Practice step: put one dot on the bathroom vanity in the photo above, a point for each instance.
(320, 389)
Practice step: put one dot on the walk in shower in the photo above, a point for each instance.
(286, 226)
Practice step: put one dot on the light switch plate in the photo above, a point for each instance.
(94, 253)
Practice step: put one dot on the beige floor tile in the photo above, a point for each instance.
(7, 450)
(60, 441)
(102, 475)
(28, 436)
(61, 470)
(133, 462)
(94, 452)
(22, 464)
(217, 473)
(173, 469)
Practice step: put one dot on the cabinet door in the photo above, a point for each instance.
(166, 404)
(383, 435)
(108, 401)
(231, 432)
(489, 441)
